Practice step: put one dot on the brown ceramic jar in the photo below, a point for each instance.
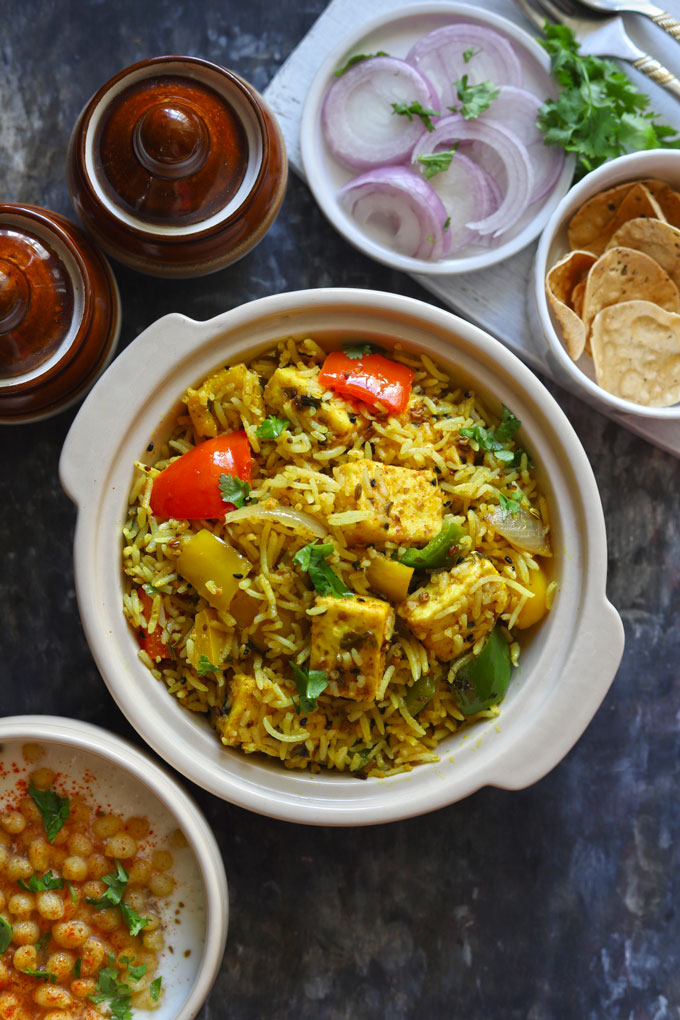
(177, 167)
(59, 313)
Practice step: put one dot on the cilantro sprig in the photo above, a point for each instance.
(115, 992)
(234, 490)
(206, 666)
(116, 884)
(155, 988)
(496, 440)
(355, 351)
(416, 109)
(509, 504)
(41, 883)
(310, 684)
(356, 59)
(312, 560)
(475, 99)
(53, 808)
(43, 975)
(6, 933)
(599, 114)
(272, 427)
(436, 162)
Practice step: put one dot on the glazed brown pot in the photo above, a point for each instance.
(59, 313)
(177, 167)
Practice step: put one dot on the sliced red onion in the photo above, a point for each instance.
(360, 126)
(516, 110)
(511, 155)
(400, 210)
(465, 195)
(441, 54)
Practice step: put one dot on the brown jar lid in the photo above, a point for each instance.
(177, 167)
(59, 313)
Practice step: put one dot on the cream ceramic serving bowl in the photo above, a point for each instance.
(123, 780)
(394, 32)
(579, 376)
(567, 663)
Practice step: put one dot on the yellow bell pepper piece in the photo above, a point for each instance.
(389, 577)
(207, 638)
(213, 567)
(533, 609)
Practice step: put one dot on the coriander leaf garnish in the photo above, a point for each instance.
(206, 666)
(508, 426)
(151, 589)
(44, 975)
(73, 894)
(416, 109)
(495, 440)
(6, 932)
(436, 162)
(358, 57)
(41, 945)
(470, 53)
(354, 351)
(599, 114)
(475, 99)
(78, 964)
(509, 505)
(53, 808)
(310, 684)
(155, 988)
(136, 973)
(113, 897)
(41, 883)
(272, 427)
(132, 919)
(234, 490)
(118, 994)
(312, 559)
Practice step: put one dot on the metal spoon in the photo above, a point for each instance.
(650, 10)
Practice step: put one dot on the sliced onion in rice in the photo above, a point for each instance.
(361, 128)
(399, 209)
(521, 529)
(296, 519)
(512, 157)
(440, 56)
(516, 110)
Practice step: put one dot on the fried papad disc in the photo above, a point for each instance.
(577, 296)
(560, 282)
(636, 353)
(659, 240)
(668, 198)
(636, 203)
(624, 274)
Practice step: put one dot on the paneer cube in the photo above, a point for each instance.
(301, 397)
(457, 607)
(348, 643)
(402, 505)
(245, 712)
(236, 383)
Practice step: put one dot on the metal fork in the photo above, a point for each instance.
(664, 20)
(601, 37)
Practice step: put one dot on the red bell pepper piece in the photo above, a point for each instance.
(371, 378)
(153, 644)
(189, 488)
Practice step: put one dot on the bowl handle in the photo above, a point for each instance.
(95, 432)
(599, 649)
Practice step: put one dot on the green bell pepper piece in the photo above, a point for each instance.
(437, 552)
(485, 679)
(418, 695)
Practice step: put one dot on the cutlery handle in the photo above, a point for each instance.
(658, 73)
(668, 23)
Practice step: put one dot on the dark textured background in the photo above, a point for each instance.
(558, 901)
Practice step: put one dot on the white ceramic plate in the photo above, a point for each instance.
(579, 376)
(395, 33)
(121, 779)
(568, 662)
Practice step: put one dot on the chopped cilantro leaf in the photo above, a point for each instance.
(599, 114)
(78, 964)
(495, 440)
(44, 975)
(155, 988)
(6, 932)
(73, 894)
(41, 945)
(234, 490)
(118, 994)
(436, 162)
(416, 109)
(206, 666)
(508, 426)
(116, 883)
(356, 58)
(151, 589)
(310, 684)
(41, 883)
(272, 427)
(354, 351)
(136, 973)
(53, 808)
(470, 53)
(132, 919)
(509, 505)
(475, 99)
(312, 560)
